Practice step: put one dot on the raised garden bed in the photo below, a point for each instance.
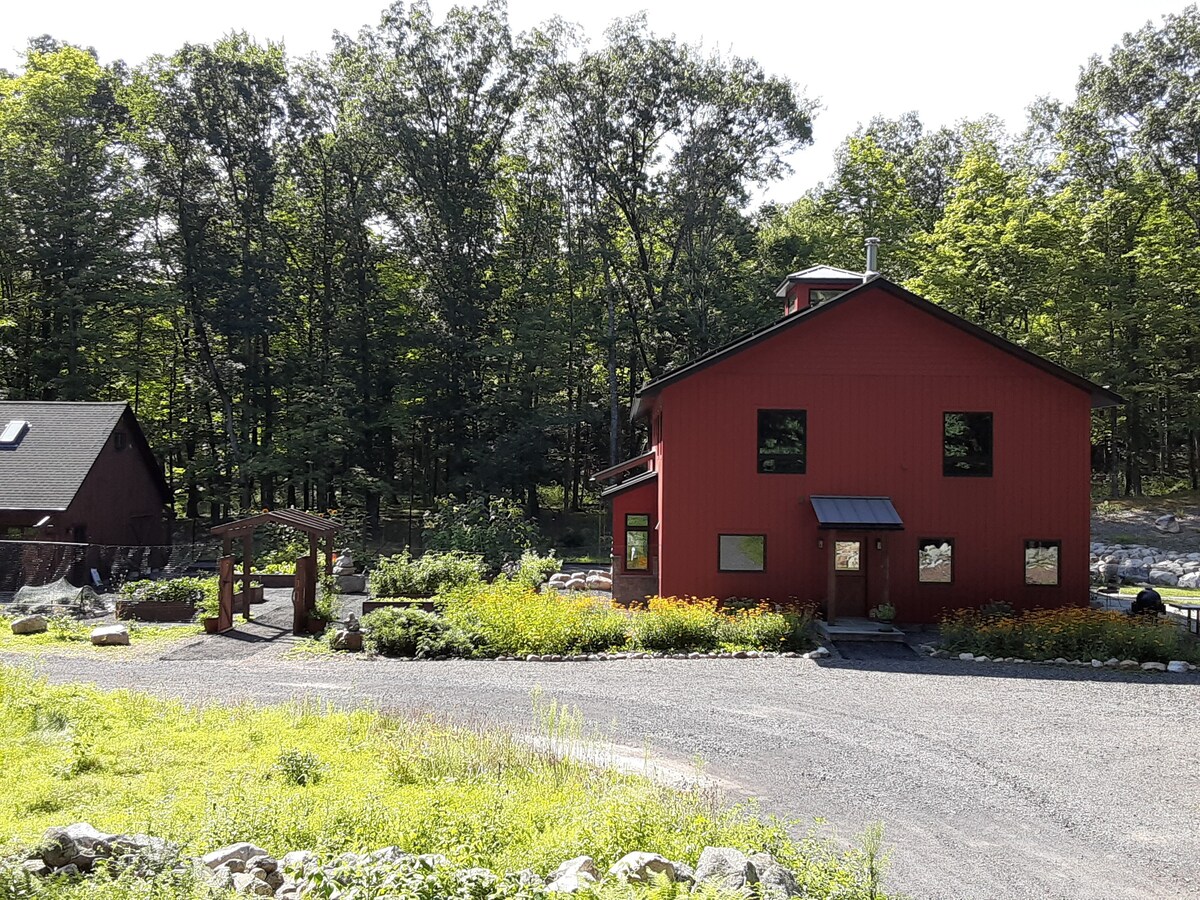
(409, 602)
(274, 581)
(156, 610)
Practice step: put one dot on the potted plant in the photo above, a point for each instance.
(884, 614)
(209, 607)
(325, 610)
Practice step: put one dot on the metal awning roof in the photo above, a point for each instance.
(629, 483)
(875, 513)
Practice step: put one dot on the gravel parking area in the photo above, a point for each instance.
(1006, 781)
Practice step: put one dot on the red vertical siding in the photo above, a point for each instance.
(876, 376)
(119, 501)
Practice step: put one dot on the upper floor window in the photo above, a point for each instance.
(967, 443)
(120, 440)
(782, 441)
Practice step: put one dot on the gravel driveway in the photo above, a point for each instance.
(992, 782)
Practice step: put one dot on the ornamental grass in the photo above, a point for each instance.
(1075, 633)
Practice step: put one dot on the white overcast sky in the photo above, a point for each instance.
(947, 59)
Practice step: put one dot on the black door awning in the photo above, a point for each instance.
(875, 513)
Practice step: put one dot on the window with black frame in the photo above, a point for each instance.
(637, 542)
(782, 441)
(967, 444)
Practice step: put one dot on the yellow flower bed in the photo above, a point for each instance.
(1073, 633)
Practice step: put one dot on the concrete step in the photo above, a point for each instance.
(858, 630)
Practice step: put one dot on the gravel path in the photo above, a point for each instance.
(992, 782)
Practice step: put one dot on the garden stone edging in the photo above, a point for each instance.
(1177, 666)
(818, 653)
(249, 870)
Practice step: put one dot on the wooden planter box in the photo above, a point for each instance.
(274, 581)
(410, 602)
(156, 610)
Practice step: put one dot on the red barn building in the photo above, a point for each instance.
(868, 447)
(81, 473)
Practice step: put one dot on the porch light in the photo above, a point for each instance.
(878, 543)
(820, 544)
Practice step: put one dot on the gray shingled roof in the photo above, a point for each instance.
(49, 464)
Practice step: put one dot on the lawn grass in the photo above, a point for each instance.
(70, 636)
(208, 776)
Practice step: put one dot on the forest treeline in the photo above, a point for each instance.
(440, 258)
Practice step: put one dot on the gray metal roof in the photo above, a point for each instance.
(856, 512)
(818, 273)
(45, 469)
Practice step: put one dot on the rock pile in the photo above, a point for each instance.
(250, 871)
(1136, 564)
(76, 850)
(593, 580)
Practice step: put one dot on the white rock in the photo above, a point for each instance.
(245, 883)
(111, 636)
(966, 657)
(982, 659)
(1177, 665)
(1154, 667)
(599, 583)
(241, 851)
(584, 864)
(570, 884)
(1129, 664)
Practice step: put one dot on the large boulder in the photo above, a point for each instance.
(111, 636)
(728, 867)
(642, 868)
(599, 583)
(1190, 580)
(35, 624)
(1163, 577)
(1166, 525)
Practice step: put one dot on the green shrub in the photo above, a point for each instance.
(299, 767)
(402, 576)
(532, 570)
(495, 529)
(678, 626)
(399, 631)
(513, 619)
(167, 590)
(760, 629)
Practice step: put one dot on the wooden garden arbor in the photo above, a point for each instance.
(315, 527)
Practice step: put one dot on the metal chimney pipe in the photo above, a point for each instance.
(872, 258)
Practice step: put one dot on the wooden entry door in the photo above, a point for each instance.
(850, 567)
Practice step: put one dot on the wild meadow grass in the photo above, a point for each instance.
(67, 635)
(1075, 633)
(306, 776)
